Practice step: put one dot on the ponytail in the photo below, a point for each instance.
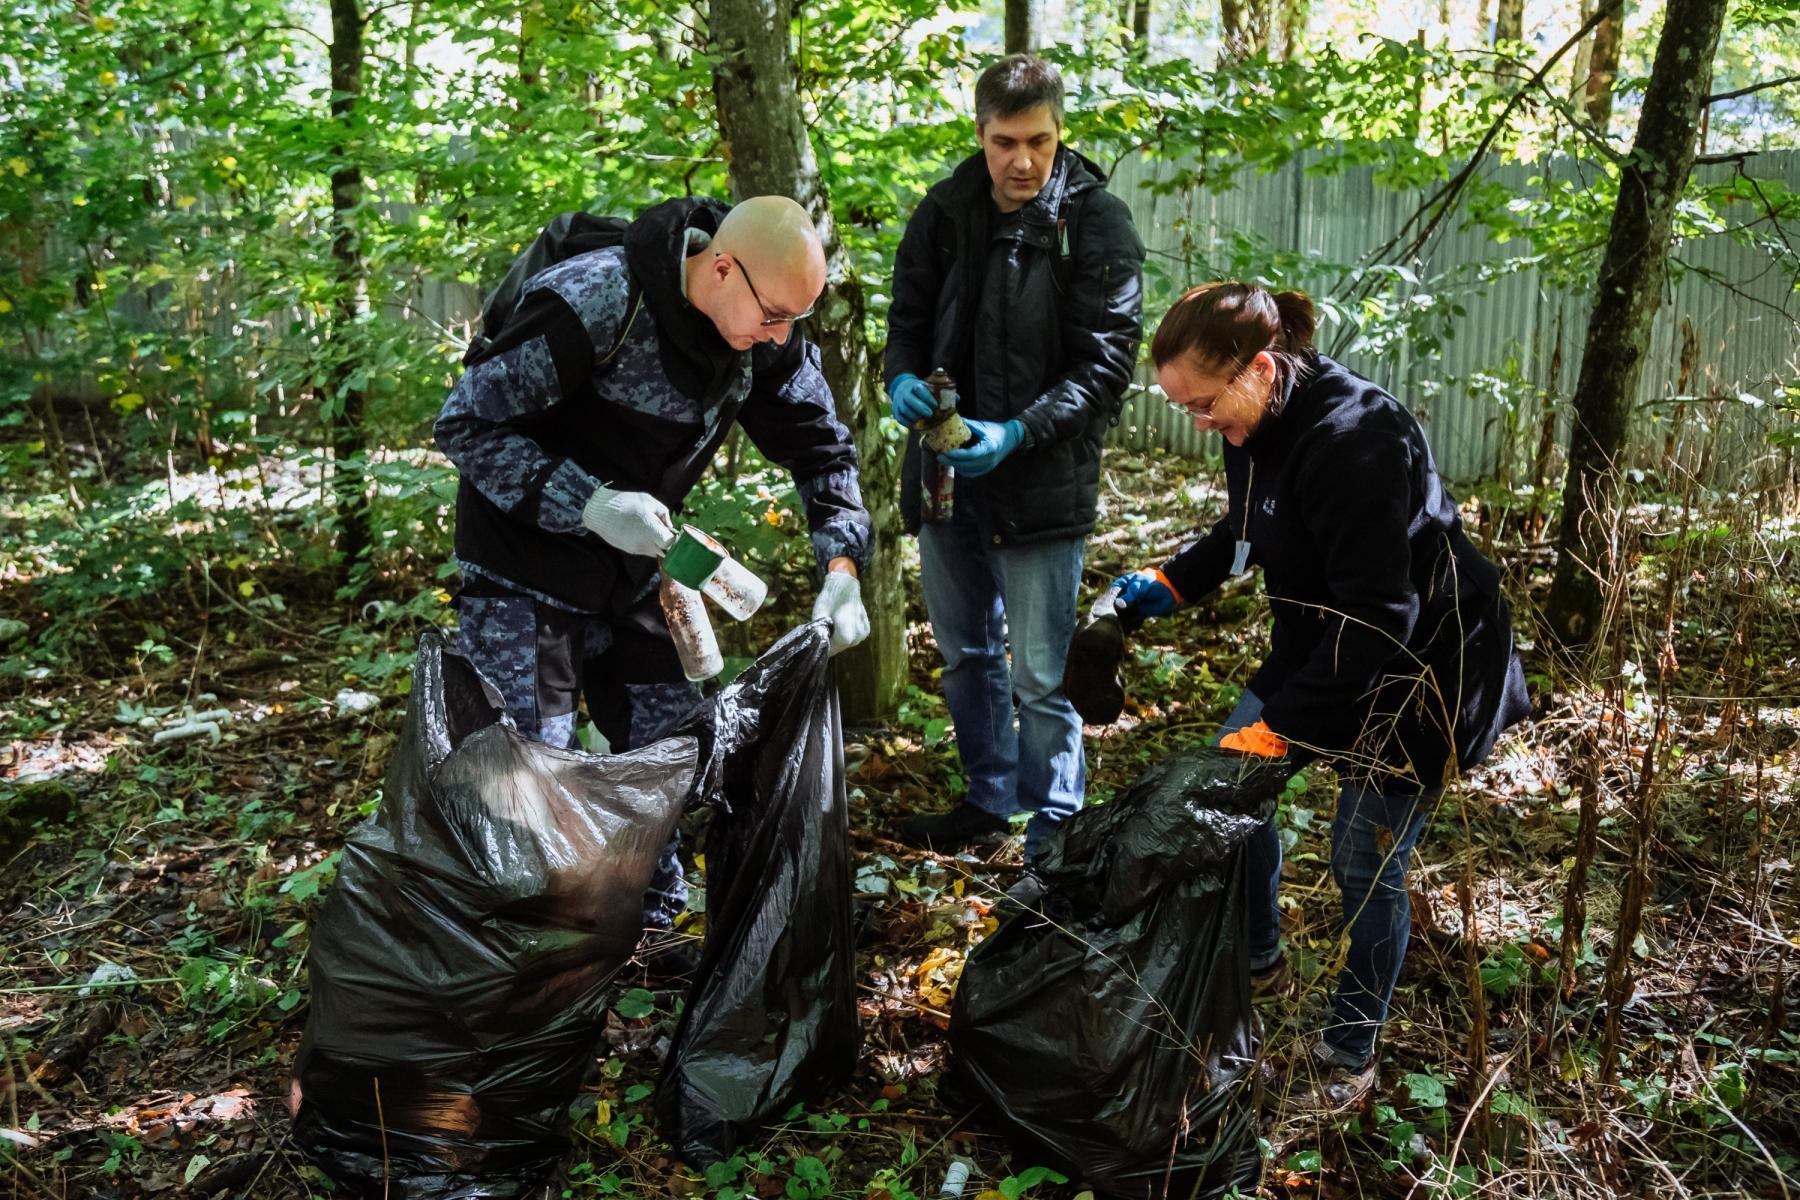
(1228, 324)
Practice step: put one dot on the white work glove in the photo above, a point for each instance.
(635, 522)
(840, 602)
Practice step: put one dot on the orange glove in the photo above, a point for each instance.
(1257, 739)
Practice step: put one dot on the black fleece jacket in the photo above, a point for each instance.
(1392, 644)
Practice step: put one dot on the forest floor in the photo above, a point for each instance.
(155, 905)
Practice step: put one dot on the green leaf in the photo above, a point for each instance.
(1427, 1090)
(636, 1004)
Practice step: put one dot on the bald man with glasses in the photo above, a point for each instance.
(581, 428)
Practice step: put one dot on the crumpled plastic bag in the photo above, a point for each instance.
(1110, 1030)
(771, 1018)
(463, 961)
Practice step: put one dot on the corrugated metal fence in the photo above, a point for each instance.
(1740, 301)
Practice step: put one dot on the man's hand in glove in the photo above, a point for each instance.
(1149, 592)
(910, 400)
(993, 442)
(1257, 739)
(635, 522)
(840, 602)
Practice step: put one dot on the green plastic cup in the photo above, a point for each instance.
(692, 558)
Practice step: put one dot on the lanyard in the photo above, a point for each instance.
(1240, 561)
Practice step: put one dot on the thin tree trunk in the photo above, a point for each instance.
(1293, 28)
(1626, 299)
(1022, 20)
(1603, 68)
(761, 120)
(1509, 21)
(1232, 42)
(347, 397)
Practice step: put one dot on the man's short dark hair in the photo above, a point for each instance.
(1018, 83)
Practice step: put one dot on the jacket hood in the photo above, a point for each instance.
(696, 359)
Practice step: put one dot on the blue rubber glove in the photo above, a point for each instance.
(910, 400)
(993, 442)
(1148, 591)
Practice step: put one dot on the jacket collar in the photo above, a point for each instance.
(1276, 429)
(695, 358)
(969, 185)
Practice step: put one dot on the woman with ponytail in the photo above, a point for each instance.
(1391, 652)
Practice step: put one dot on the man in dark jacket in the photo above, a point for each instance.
(587, 420)
(1020, 275)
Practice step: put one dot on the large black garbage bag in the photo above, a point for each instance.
(771, 1019)
(1111, 1035)
(460, 966)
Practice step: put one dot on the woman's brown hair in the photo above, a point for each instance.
(1228, 324)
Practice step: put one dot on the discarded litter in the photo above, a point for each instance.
(1110, 1030)
(351, 703)
(462, 965)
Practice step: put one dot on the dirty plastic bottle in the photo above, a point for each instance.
(943, 430)
(691, 631)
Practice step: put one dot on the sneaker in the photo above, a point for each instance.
(1272, 981)
(1338, 1087)
(954, 829)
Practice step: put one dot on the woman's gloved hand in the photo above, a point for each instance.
(1257, 739)
(1148, 591)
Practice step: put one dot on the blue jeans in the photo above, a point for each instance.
(981, 597)
(1371, 878)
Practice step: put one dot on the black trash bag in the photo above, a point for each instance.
(1110, 1030)
(771, 1019)
(461, 964)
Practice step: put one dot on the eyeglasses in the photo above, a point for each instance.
(1196, 408)
(768, 317)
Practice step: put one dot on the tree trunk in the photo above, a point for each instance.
(1293, 28)
(348, 396)
(1509, 21)
(1231, 32)
(761, 120)
(1022, 20)
(1625, 302)
(1603, 68)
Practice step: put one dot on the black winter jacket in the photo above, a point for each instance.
(1057, 346)
(1392, 644)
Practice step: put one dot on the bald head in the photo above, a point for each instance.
(774, 246)
(773, 237)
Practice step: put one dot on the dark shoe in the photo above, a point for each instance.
(1336, 1087)
(1026, 895)
(1091, 672)
(1272, 981)
(954, 829)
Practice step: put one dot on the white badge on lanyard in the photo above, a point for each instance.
(1240, 562)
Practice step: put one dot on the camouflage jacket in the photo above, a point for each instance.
(594, 381)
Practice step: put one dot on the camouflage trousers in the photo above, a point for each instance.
(544, 660)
